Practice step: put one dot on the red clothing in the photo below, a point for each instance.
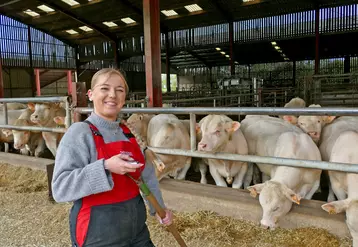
(124, 188)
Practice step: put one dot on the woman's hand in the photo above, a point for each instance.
(168, 220)
(121, 164)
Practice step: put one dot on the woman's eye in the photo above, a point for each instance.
(104, 88)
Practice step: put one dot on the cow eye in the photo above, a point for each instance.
(275, 209)
(319, 121)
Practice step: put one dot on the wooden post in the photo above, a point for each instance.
(167, 60)
(151, 16)
(69, 82)
(38, 83)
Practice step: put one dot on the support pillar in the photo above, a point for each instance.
(79, 99)
(294, 73)
(38, 84)
(69, 82)
(151, 17)
(167, 64)
(231, 43)
(317, 60)
(1, 80)
(31, 61)
(116, 54)
(347, 67)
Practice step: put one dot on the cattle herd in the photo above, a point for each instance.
(326, 138)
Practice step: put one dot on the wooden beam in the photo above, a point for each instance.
(151, 15)
(58, 8)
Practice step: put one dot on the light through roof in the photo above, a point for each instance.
(31, 13)
(193, 7)
(71, 31)
(70, 2)
(110, 24)
(86, 29)
(45, 8)
(169, 12)
(128, 20)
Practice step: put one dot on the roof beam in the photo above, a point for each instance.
(200, 58)
(225, 14)
(57, 7)
(9, 3)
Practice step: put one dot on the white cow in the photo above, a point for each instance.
(165, 131)
(312, 125)
(27, 141)
(268, 136)
(339, 143)
(44, 115)
(221, 134)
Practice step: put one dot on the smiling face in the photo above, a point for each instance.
(108, 95)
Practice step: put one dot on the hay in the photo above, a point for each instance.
(28, 218)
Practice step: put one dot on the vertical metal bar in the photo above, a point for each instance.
(69, 82)
(231, 41)
(193, 131)
(38, 83)
(152, 52)
(1, 79)
(167, 64)
(317, 60)
(68, 114)
(294, 73)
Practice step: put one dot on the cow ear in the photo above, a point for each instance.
(197, 128)
(336, 207)
(232, 126)
(31, 106)
(328, 119)
(290, 194)
(255, 189)
(290, 119)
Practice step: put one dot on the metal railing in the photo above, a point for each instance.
(36, 100)
(345, 167)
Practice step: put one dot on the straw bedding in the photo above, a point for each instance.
(28, 218)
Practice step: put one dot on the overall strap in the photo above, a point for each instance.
(129, 135)
(98, 138)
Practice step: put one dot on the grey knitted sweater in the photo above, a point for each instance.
(77, 171)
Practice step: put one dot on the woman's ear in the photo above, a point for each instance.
(89, 93)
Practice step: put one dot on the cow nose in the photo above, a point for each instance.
(314, 134)
(202, 145)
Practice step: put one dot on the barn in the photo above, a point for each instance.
(191, 59)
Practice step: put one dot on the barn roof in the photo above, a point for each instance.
(92, 21)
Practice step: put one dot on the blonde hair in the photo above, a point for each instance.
(108, 72)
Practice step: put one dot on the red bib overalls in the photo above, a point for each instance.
(108, 211)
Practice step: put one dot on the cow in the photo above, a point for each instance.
(269, 136)
(12, 116)
(219, 133)
(339, 143)
(27, 141)
(165, 131)
(296, 102)
(43, 115)
(312, 125)
(13, 106)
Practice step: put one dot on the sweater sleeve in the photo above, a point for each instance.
(75, 176)
(151, 180)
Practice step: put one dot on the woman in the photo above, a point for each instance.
(91, 161)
